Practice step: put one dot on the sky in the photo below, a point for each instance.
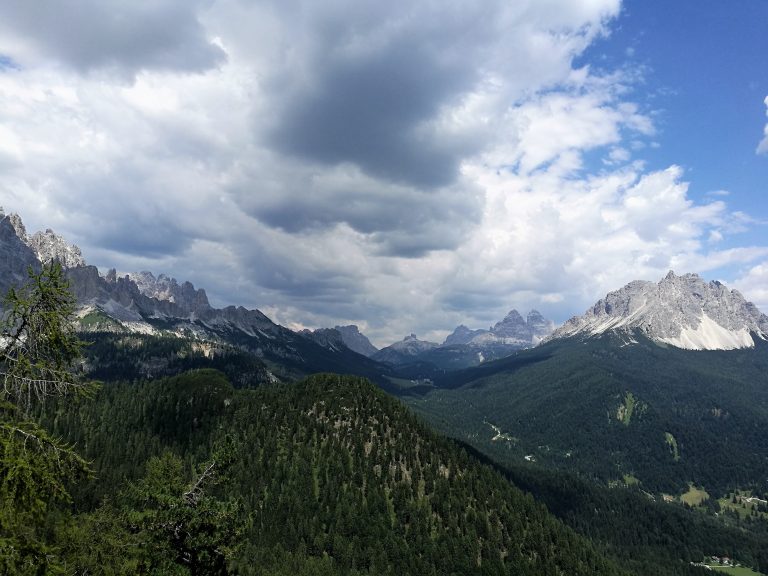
(406, 166)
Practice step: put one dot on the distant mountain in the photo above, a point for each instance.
(356, 341)
(50, 246)
(168, 289)
(342, 336)
(405, 351)
(46, 245)
(465, 347)
(15, 255)
(327, 338)
(115, 303)
(682, 311)
(462, 335)
(513, 330)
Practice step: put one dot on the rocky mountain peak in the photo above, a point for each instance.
(356, 341)
(165, 288)
(15, 256)
(683, 311)
(404, 350)
(341, 337)
(512, 326)
(411, 344)
(47, 246)
(461, 335)
(329, 338)
(15, 221)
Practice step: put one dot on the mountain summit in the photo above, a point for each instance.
(48, 245)
(682, 311)
(513, 330)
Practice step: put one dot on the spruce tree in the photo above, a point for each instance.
(39, 351)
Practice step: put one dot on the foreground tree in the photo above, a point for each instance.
(184, 529)
(39, 352)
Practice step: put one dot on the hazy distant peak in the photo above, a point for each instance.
(356, 341)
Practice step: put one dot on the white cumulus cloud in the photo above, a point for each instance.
(762, 148)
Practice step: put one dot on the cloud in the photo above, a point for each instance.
(396, 219)
(126, 37)
(762, 148)
(405, 166)
(394, 89)
(754, 284)
(545, 234)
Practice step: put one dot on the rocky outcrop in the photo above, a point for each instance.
(49, 246)
(327, 338)
(15, 256)
(462, 335)
(683, 311)
(513, 330)
(167, 289)
(356, 341)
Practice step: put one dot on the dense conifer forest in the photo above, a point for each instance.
(326, 476)
(660, 415)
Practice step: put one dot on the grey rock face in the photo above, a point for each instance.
(327, 338)
(539, 326)
(462, 335)
(513, 330)
(168, 289)
(18, 226)
(404, 351)
(684, 311)
(529, 331)
(49, 246)
(15, 256)
(512, 326)
(356, 341)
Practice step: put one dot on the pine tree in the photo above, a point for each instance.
(38, 355)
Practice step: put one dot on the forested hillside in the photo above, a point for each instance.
(329, 476)
(613, 410)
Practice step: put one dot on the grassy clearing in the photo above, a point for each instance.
(743, 506)
(694, 496)
(672, 443)
(625, 411)
(630, 480)
(736, 570)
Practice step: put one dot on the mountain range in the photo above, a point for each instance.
(466, 347)
(143, 303)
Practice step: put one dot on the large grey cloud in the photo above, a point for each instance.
(369, 109)
(122, 36)
(397, 219)
(378, 84)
